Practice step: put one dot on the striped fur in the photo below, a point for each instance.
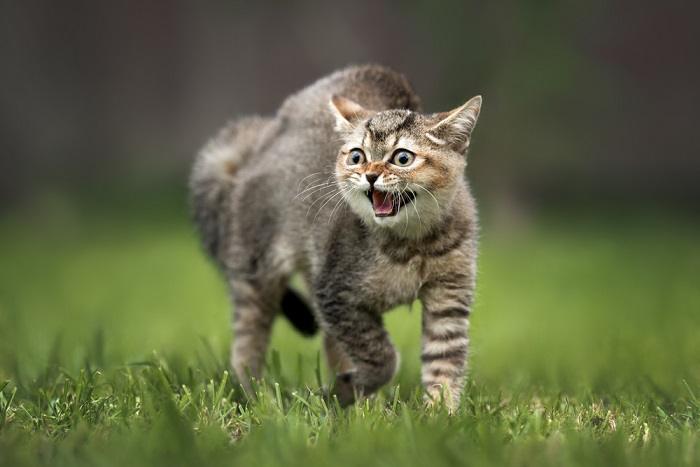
(274, 197)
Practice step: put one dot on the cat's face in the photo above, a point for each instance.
(399, 169)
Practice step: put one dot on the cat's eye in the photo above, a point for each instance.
(403, 158)
(355, 157)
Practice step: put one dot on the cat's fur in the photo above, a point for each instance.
(275, 196)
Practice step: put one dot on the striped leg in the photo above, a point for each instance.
(445, 342)
(252, 322)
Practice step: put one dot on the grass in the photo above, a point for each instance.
(114, 335)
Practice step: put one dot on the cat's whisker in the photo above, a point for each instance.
(316, 190)
(330, 181)
(321, 174)
(337, 204)
(309, 194)
(322, 198)
(316, 184)
(320, 193)
(405, 228)
(314, 178)
(340, 192)
(420, 221)
(437, 204)
(325, 198)
(307, 177)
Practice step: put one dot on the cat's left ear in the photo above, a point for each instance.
(454, 128)
(348, 113)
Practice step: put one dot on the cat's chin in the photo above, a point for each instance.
(388, 221)
(397, 221)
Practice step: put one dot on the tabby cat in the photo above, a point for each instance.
(363, 196)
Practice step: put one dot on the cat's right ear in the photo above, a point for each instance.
(347, 113)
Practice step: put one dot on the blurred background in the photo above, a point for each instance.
(593, 100)
(585, 162)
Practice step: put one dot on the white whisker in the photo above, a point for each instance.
(428, 191)
(321, 198)
(316, 185)
(308, 176)
(337, 204)
(415, 208)
(340, 192)
(318, 189)
(405, 228)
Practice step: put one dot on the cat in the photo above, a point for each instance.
(365, 197)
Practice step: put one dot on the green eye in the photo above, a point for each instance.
(403, 158)
(355, 157)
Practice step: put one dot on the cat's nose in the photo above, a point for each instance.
(371, 178)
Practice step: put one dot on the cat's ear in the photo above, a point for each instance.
(454, 128)
(347, 113)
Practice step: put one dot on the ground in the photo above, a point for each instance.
(114, 335)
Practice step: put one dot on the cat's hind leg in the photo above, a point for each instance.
(254, 311)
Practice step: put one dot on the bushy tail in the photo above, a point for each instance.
(298, 313)
(213, 179)
(211, 183)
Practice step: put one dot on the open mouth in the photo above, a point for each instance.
(388, 203)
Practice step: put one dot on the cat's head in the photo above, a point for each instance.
(399, 169)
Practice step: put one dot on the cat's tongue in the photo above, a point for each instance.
(382, 203)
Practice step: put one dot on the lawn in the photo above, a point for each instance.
(114, 335)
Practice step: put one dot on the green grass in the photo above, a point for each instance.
(114, 334)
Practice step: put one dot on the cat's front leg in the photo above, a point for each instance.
(446, 309)
(361, 336)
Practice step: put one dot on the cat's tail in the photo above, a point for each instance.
(213, 178)
(298, 313)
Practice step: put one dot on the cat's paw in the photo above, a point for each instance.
(344, 388)
(438, 397)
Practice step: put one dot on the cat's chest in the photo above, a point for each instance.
(391, 284)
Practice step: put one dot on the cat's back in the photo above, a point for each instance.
(374, 86)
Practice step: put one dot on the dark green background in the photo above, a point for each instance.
(588, 100)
